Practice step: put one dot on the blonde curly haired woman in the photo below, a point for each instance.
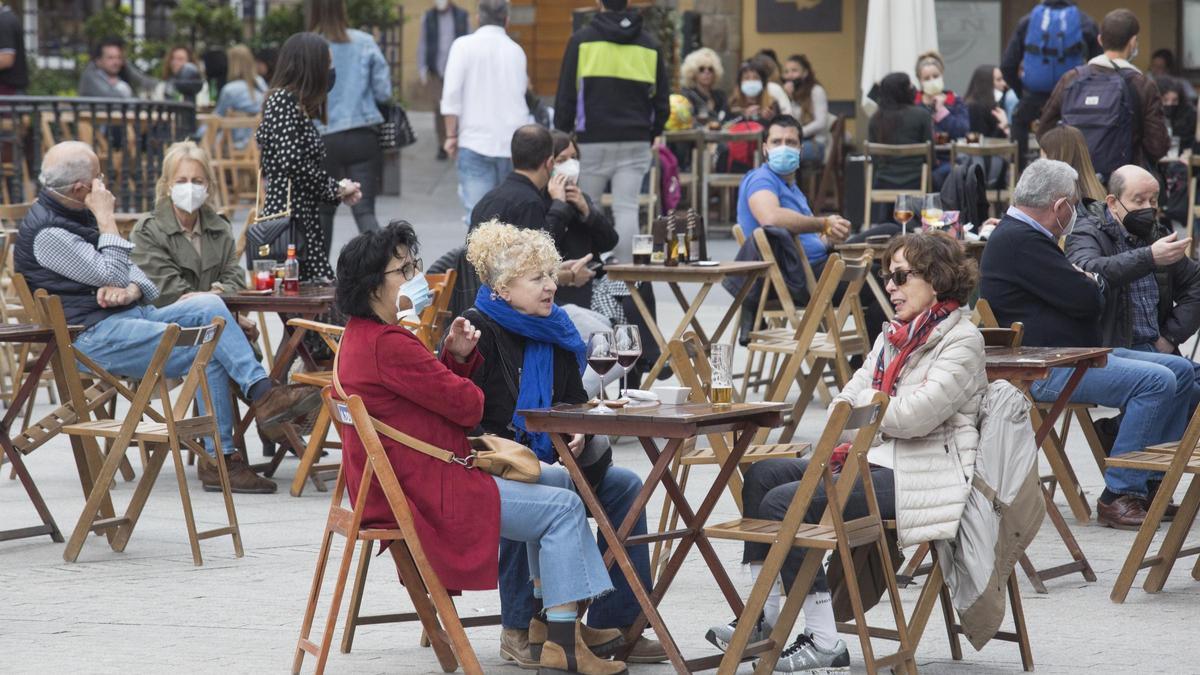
(536, 359)
(701, 72)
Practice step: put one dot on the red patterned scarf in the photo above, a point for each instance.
(907, 337)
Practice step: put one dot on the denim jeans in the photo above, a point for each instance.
(618, 609)
(549, 518)
(624, 164)
(354, 154)
(1153, 390)
(812, 151)
(1195, 398)
(768, 490)
(124, 343)
(478, 175)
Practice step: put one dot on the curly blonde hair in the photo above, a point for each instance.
(691, 66)
(501, 252)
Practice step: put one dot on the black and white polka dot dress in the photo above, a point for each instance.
(291, 148)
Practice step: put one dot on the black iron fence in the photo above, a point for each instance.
(130, 137)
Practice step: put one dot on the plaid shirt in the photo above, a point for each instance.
(105, 264)
(1143, 295)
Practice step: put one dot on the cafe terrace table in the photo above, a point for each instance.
(309, 303)
(974, 248)
(706, 276)
(1022, 366)
(29, 334)
(675, 424)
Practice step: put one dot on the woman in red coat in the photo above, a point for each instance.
(459, 513)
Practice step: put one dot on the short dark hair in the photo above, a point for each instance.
(1168, 58)
(362, 262)
(939, 258)
(561, 140)
(615, 5)
(1118, 28)
(110, 41)
(785, 121)
(531, 147)
(303, 69)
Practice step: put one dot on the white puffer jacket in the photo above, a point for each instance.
(930, 432)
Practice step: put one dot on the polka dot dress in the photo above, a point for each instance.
(291, 149)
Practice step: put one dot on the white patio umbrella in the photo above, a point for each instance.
(898, 31)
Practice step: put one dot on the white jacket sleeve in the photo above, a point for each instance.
(820, 110)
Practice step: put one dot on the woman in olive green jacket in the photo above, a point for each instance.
(184, 246)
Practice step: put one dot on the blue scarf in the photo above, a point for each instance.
(542, 335)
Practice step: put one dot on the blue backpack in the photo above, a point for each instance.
(1103, 105)
(1053, 45)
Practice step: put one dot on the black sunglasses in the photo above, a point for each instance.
(707, 69)
(899, 276)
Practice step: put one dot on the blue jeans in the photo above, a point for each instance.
(623, 164)
(812, 151)
(124, 343)
(1195, 399)
(478, 175)
(550, 520)
(616, 610)
(1154, 390)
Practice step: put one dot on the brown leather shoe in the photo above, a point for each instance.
(646, 650)
(563, 655)
(281, 404)
(242, 478)
(515, 647)
(603, 642)
(1127, 512)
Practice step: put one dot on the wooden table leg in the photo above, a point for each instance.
(652, 326)
(751, 279)
(683, 304)
(688, 316)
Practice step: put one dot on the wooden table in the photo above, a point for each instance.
(675, 424)
(1023, 366)
(974, 248)
(686, 274)
(311, 302)
(28, 334)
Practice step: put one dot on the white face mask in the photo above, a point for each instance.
(752, 88)
(934, 86)
(441, 4)
(569, 168)
(188, 197)
(999, 95)
(1070, 224)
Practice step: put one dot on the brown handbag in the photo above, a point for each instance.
(492, 454)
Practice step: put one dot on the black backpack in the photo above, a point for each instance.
(1104, 106)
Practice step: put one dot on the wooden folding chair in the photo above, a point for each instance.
(434, 608)
(166, 432)
(851, 538)
(436, 317)
(318, 439)
(874, 151)
(723, 181)
(236, 168)
(694, 371)
(832, 178)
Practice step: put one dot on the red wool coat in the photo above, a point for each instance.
(456, 511)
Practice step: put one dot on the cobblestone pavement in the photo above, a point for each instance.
(149, 610)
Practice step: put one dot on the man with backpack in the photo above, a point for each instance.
(1117, 108)
(1054, 38)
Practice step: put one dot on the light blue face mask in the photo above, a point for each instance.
(417, 291)
(783, 160)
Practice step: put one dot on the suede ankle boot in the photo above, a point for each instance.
(603, 642)
(566, 652)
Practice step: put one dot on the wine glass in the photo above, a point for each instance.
(904, 211)
(601, 356)
(931, 212)
(628, 348)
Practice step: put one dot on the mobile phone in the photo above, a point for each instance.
(596, 265)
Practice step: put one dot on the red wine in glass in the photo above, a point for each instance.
(627, 359)
(602, 364)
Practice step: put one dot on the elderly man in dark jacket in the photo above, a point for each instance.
(1152, 291)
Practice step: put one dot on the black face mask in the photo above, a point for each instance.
(1169, 110)
(1140, 222)
(332, 78)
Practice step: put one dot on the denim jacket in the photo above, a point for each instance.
(362, 82)
(236, 97)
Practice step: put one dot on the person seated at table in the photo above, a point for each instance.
(174, 77)
(930, 361)
(69, 246)
(701, 72)
(1028, 278)
(243, 93)
(1152, 299)
(751, 100)
(950, 116)
(983, 99)
(537, 359)
(184, 246)
(899, 121)
(460, 514)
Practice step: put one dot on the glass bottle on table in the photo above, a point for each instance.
(628, 348)
(903, 212)
(291, 272)
(601, 356)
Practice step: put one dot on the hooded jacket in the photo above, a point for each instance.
(1093, 246)
(613, 85)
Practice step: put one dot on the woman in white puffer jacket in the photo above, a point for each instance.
(930, 360)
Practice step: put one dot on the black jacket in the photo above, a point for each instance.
(503, 355)
(1014, 53)
(620, 90)
(578, 237)
(1027, 278)
(1093, 246)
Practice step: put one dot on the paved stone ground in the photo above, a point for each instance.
(149, 610)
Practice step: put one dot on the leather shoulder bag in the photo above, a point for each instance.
(268, 236)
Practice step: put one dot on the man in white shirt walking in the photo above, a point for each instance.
(483, 101)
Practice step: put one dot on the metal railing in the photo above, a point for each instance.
(129, 136)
